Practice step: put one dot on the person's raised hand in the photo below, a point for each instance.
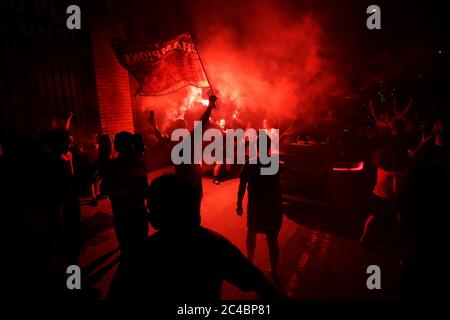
(152, 122)
(212, 100)
(239, 210)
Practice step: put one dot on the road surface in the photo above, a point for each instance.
(314, 264)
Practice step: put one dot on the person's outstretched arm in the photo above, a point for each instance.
(155, 129)
(207, 114)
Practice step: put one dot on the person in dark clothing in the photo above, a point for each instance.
(104, 154)
(423, 203)
(193, 171)
(221, 165)
(33, 223)
(183, 261)
(190, 171)
(86, 168)
(127, 185)
(60, 190)
(264, 214)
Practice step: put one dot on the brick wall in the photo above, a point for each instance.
(113, 86)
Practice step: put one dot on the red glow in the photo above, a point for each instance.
(355, 167)
(272, 68)
(268, 64)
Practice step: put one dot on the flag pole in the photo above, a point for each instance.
(203, 67)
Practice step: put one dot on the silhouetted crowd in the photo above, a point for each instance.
(44, 177)
(412, 188)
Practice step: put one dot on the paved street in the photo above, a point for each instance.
(314, 264)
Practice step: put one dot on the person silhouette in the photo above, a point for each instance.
(127, 185)
(423, 203)
(105, 156)
(190, 171)
(59, 188)
(264, 213)
(183, 261)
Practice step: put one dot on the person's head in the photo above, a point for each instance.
(59, 141)
(398, 128)
(104, 144)
(123, 143)
(180, 124)
(138, 145)
(173, 203)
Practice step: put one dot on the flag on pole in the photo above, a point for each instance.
(163, 67)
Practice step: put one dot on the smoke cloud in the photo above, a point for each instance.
(262, 58)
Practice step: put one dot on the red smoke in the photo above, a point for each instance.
(260, 58)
